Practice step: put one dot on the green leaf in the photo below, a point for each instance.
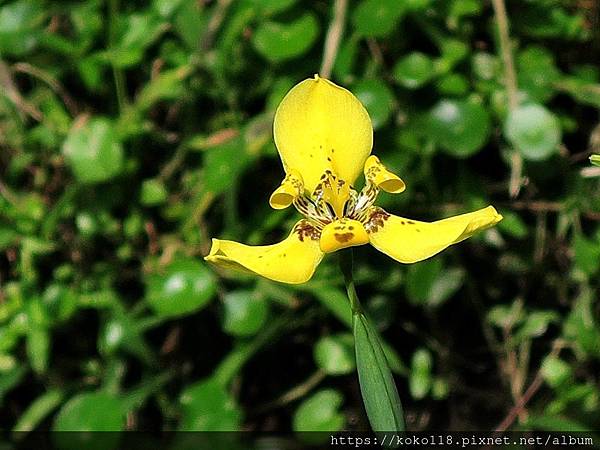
(513, 225)
(420, 380)
(38, 410)
(168, 85)
(595, 160)
(186, 285)
(581, 327)
(282, 41)
(335, 354)
(377, 98)
(459, 127)
(556, 371)
(153, 192)
(453, 84)
(59, 301)
(224, 164)
(537, 73)
(587, 254)
(20, 26)
(445, 285)
(535, 325)
(92, 411)
(245, 313)
(336, 302)
(93, 151)
(269, 8)
(377, 18)
(420, 279)
(319, 412)
(136, 33)
(534, 131)
(414, 70)
(38, 348)
(10, 378)
(379, 393)
(207, 406)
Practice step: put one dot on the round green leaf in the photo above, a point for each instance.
(59, 301)
(185, 286)
(320, 412)
(555, 371)
(376, 18)
(281, 41)
(207, 406)
(534, 131)
(453, 84)
(377, 98)
(93, 411)
(335, 354)
(414, 70)
(153, 192)
(420, 380)
(245, 313)
(459, 127)
(93, 151)
(21, 25)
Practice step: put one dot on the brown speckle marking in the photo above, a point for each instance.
(306, 230)
(376, 220)
(343, 237)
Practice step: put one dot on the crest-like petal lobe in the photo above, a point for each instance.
(377, 174)
(292, 260)
(321, 126)
(410, 241)
(291, 188)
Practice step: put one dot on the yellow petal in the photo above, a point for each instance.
(291, 187)
(376, 173)
(292, 260)
(410, 241)
(341, 234)
(320, 126)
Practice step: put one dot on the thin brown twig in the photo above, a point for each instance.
(334, 36)
(295, 393)
(510, 82)
(535, 385)
(12, 93)
(54, 84)
(219, 13)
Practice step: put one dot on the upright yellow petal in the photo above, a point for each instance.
(292, 260)
(409, 241)
(320, 126)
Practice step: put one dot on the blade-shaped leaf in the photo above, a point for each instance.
(379, 392)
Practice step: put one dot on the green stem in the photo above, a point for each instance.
(346, 262)
(377, 387)
(113, 13)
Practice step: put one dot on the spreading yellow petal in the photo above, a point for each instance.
(321, 126)
(409, 241)
(377, 173)
(292, 260)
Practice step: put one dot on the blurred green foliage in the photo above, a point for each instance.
(131, 132)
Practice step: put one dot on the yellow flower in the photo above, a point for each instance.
(324, 138)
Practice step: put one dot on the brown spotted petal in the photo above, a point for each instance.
(292, 260)
(409, 241)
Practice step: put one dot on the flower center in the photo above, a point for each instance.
(334, 200)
